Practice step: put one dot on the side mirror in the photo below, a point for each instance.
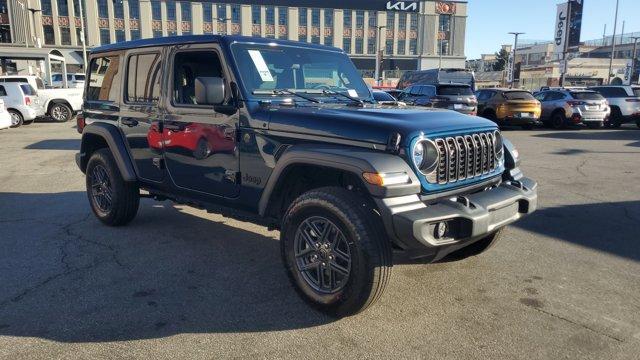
(209, 90)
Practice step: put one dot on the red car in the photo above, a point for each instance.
(201, 139)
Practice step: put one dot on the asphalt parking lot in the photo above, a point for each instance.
(181, 283)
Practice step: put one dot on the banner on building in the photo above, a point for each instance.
(509, 69)
(575, 23)
(560, 31)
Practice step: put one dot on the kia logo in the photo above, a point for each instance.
(560, 27)
(402, 6)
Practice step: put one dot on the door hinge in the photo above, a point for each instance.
(158, 162)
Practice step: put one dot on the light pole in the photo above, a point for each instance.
(613, 44)
(515, 49)
(82, 36)
(378, 54)
(633, 57)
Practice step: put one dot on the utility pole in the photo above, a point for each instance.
(613, 44)
(604, 35)
(82, 36)
(378, 54)
(515, 49)
(633, 57)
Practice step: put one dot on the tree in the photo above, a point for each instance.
(502, 57)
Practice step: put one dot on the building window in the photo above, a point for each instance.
(413, 22)
(315, 17)
(135, 34)
(103, 9)
(302, 37)
(156, 10)
(255, 14)
(401, 45)
(283, 16)
(79, 35)
(49, 38)
(134, 9)
(359, 45)
(444, 22)
(270, 15)
(185, 11)
(346, 45)
(359, 20)
(347, 18)
(207, 12)
(413, 46)
(120, 35)
(65, 36)
(371, 45)
(63, 8)
(105, 38)
(221, 12)
(302, 16)
(45, 6)
(373, 19)
(402, 21)
(236, 14)
(118, 9)
(315, 39)
(157, 33)
(391, 18)
(388, 46)
(328, 40)
(328, 18)
(443, 47)
(76, 8)
(171, 11)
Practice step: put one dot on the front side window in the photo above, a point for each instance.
(297, 68)
(187, 66)
(143, 78)
(103, 79)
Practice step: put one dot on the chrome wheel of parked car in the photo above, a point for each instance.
(322, 254)
(60, 112)
(16, 118)
(101, 188)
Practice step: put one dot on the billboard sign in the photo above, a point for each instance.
(560, 30)
(575, 23)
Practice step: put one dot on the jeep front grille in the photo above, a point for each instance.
(465, 157)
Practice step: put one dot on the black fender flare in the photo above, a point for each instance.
(116, 144)
(350, 159)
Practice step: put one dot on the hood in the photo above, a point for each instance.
(372, 123)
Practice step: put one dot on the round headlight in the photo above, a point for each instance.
(425, 156)
(498, 145)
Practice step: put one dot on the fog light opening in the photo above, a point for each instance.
(440, 230)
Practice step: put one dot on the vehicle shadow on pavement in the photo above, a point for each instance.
(606, 227)
(66, 277)
(55, 144)
(623, 134)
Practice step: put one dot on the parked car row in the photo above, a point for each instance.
(25, 99)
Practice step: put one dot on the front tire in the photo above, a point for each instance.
(60, 112)
(334, 251)
(114, 201)
(16, 118)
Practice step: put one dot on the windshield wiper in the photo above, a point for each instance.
(331, 92)
(284, 92)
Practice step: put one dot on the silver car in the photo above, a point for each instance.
(564, 107)
(19, 100)
(624, 101)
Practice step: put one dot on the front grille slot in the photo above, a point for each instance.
(465, 157)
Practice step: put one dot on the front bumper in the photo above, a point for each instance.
(412, 224)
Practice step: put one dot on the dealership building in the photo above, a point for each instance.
(411, 34)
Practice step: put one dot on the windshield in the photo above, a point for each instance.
(454, 90)
(518, 95)
(586, 95)
(299, 69)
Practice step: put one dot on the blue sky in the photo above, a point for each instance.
(489, 21)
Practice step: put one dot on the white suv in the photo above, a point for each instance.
(624, 101)
(75, 81)
(19, 101)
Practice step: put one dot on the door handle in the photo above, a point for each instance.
(129, 122)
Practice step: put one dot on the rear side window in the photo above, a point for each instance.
(143, 78)
(611, 92)
(3, 91)
(103, 79)
(454, 90)
(518, 95)
(586, 95)
(27, 89)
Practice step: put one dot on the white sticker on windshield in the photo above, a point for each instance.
(352, 93)
(261, 66)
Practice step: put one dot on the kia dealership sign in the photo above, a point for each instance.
(568, 25)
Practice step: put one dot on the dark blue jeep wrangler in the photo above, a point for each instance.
(289, 134)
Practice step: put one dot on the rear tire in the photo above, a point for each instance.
(60, 112)
(16, 118)
(558, 120)
(114, 201)
(334, 251)
(615, 119)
